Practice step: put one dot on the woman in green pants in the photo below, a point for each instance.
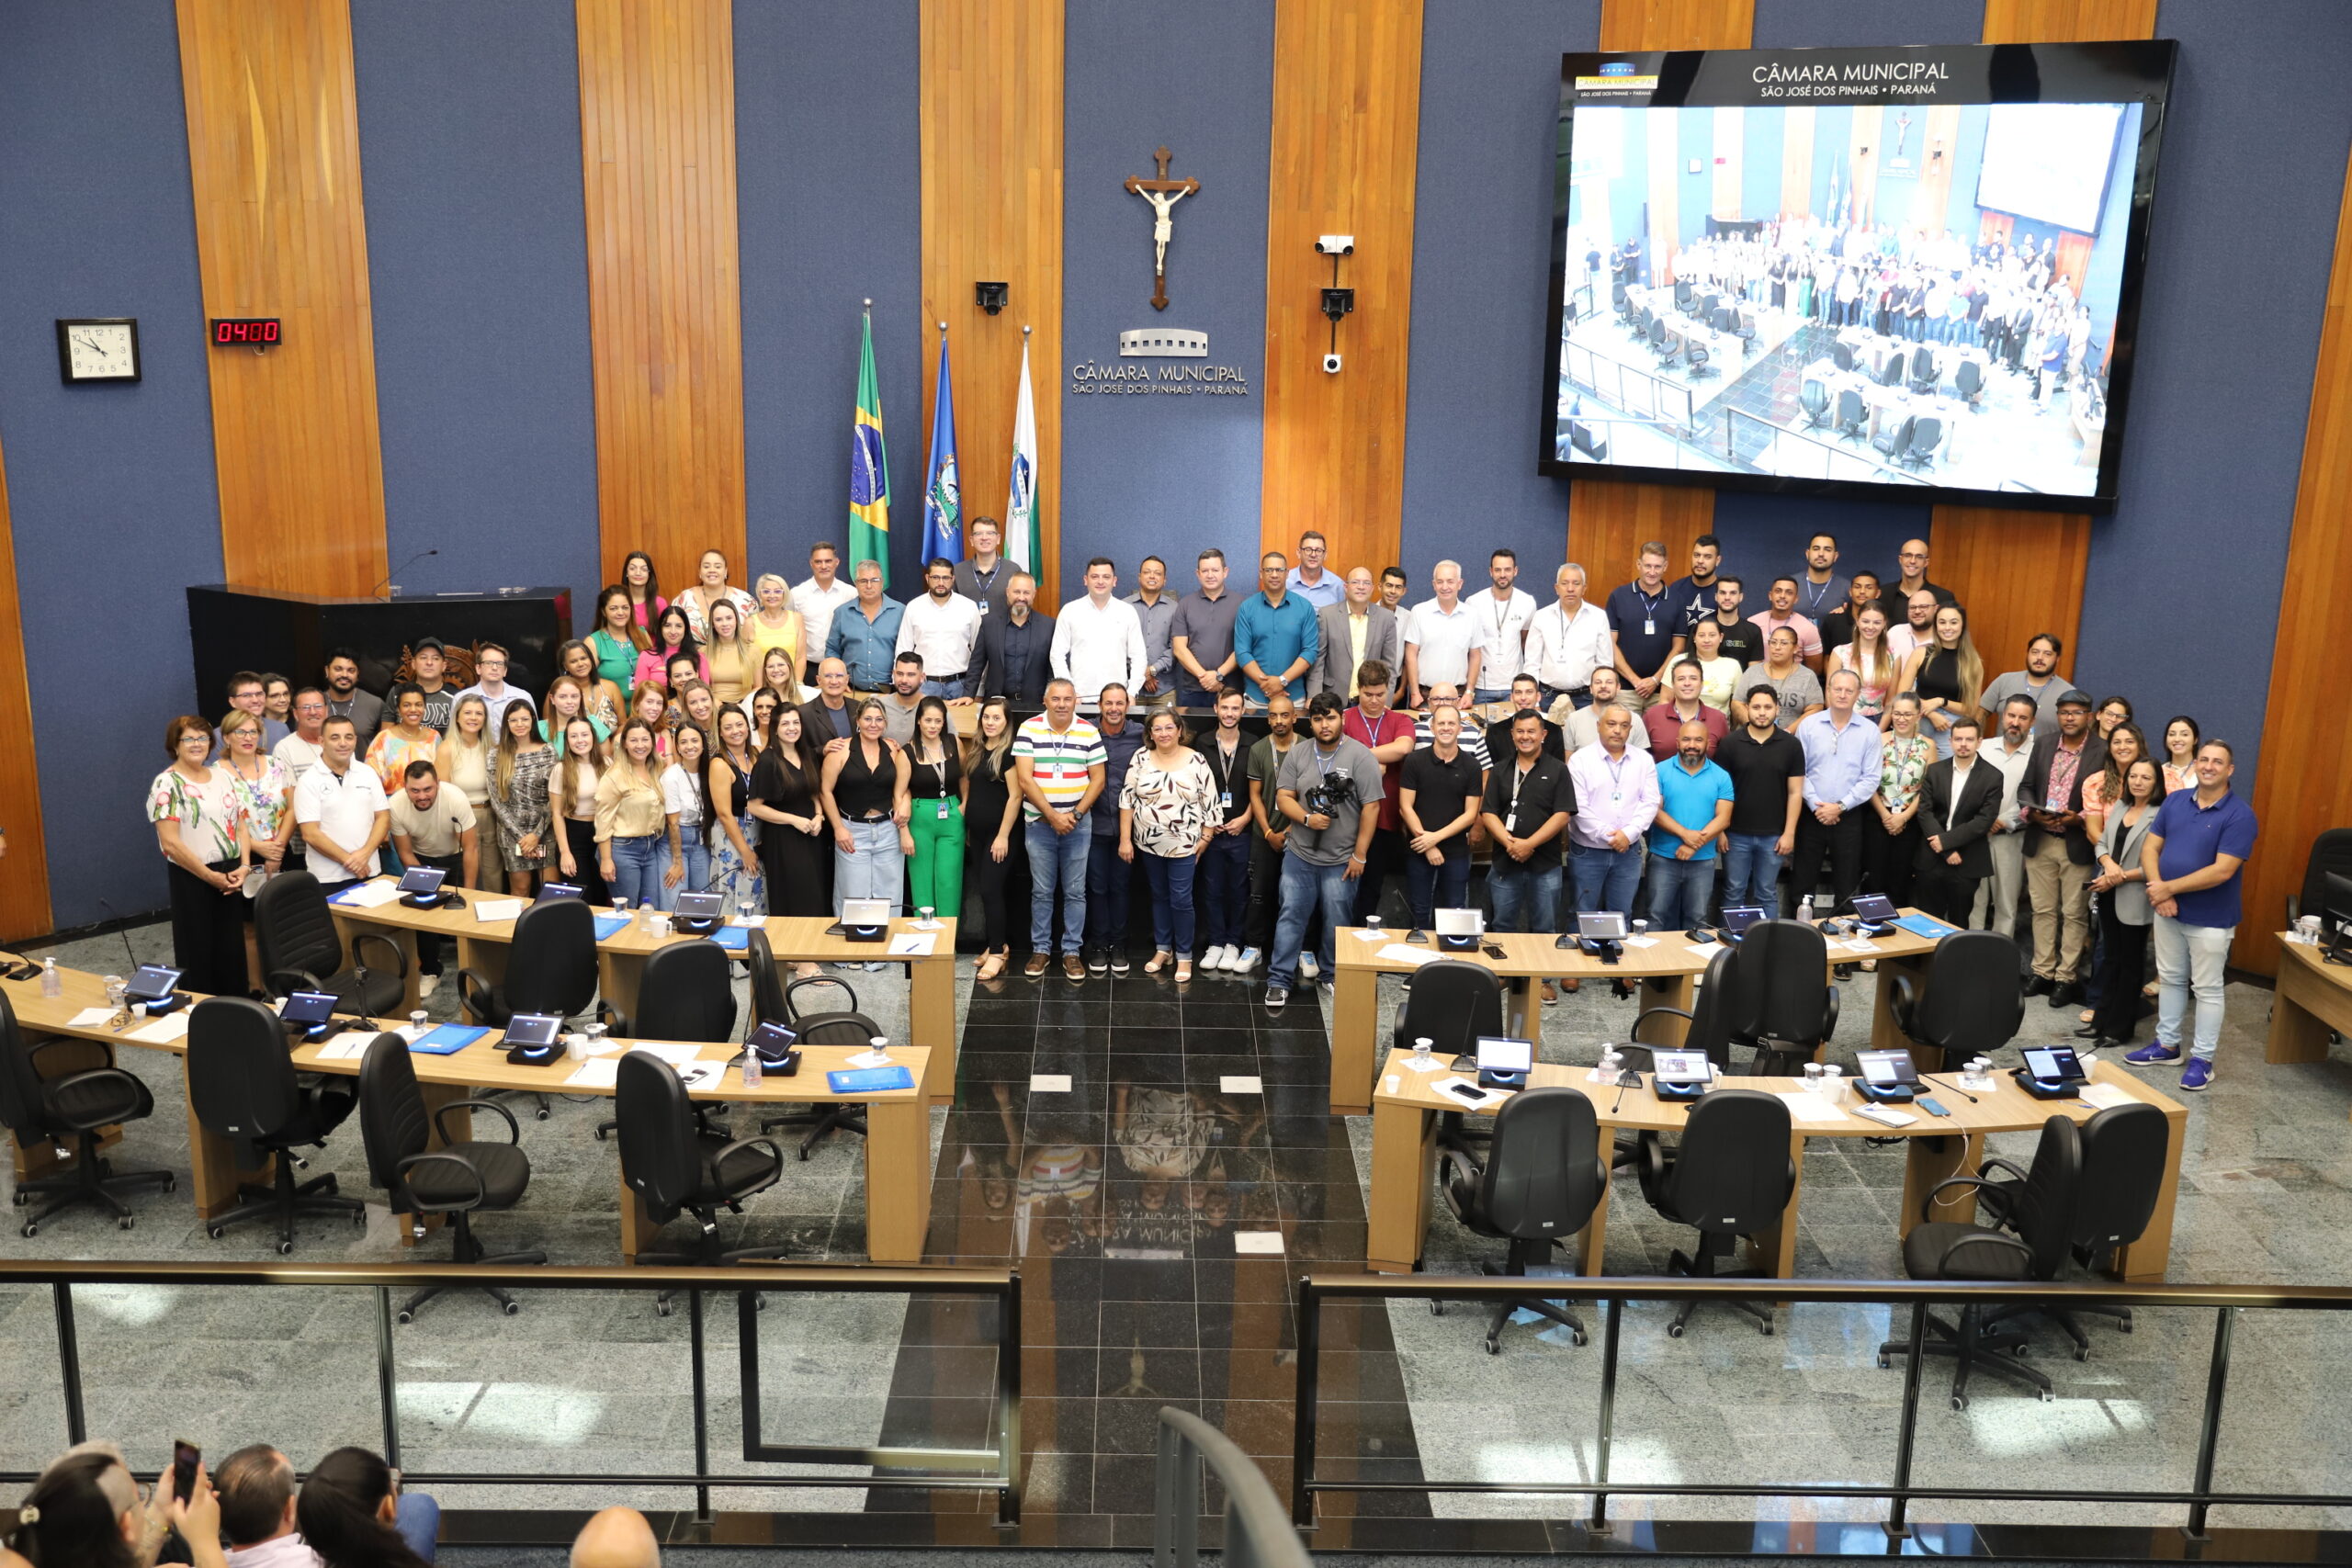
(936, 783)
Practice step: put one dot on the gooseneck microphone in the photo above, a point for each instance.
(387, 581)
(129, 952)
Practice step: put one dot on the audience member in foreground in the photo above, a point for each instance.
(616, 1538)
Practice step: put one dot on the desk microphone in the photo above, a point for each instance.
(1627, 1080)
(128, 951)
(411, 560)
(1955, 1088)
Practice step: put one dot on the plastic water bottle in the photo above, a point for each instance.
(52, 983)
(750, 1069)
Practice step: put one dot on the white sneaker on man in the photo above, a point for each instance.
(1215, 957)
(1307, 967)
(426, 984)
(1243, 961)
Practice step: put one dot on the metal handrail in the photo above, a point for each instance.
(1257, 1533)
(2225, 1300)
(987, 1470)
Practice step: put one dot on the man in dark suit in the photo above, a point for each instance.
(1959, 800)
(1014, 659)
(2058, 855)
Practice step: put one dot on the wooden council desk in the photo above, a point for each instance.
(2313, 1000)
(621, 963)
(897, 1141)
(1403, 1156)
(1663, 972)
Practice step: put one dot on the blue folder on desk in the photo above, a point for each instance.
(611, 926)
(869, 1081)
(736, 939)
(344, 892)
(447, 1040)
(1927, 926)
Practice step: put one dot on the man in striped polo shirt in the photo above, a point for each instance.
(1059, 760)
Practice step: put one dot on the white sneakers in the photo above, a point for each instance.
(1307, 969)
(1215, 956)
(1245, 960)
(426, 984)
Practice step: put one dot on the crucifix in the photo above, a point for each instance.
(1163, 194)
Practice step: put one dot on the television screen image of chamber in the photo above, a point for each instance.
(1885, 272)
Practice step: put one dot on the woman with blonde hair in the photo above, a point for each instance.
(631, 818)
(464, 760)
(518, 795)
(571, 806)
(1946, 674)
(777, 624)
(780, 674)
(1872, 660)
(734, 661)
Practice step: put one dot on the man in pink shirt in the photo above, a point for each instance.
(1783, 612)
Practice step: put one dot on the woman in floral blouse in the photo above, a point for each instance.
(1891, 837)
(265, 794)
(201, 829)
(1166, 810)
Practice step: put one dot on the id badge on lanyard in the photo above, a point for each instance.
(942, 809)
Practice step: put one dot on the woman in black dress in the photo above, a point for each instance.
(991, 830)
(795, 850)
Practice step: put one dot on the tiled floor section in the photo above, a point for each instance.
(1126, 1199)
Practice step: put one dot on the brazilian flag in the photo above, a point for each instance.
(870, 471)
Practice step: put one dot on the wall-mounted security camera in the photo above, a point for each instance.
(1336, 245)
(1338, 303)
(1330, 365)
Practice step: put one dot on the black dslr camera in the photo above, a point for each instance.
(1330, 796)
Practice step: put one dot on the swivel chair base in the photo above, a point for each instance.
(704, 1260)
(1702, 1266)
(464, 1248)
(842, 1119)
(283, 1201)
(1521, 1254)
(1974, 1345)
(91, 1181)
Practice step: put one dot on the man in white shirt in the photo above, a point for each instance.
(816, 599)
(2010, 750)
(1307, 579)
(1567, 642)
(1580, 727)
(1444, 642)
(342, 809)
(490, 685)
(1504, 611)
(1099, 639)
(301, 751)
(943, 626)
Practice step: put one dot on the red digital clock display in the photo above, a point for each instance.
(256, 331)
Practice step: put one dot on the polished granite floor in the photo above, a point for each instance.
(1159, 1205)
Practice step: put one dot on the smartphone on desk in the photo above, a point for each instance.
(1492, 950)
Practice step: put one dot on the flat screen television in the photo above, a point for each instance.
(1879, 273)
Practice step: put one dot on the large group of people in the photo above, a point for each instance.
(1672, 748)
(87, 1509)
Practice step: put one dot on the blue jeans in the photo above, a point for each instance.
(1435, 887)
(1752, 873)
(419, 1522)
(1172, 901)
(1109, 880)
(951, 690)
(2190, 962)
(1221, 894)
(1605, 878)
(634, 879)
(1526, 897)
(1581, 697)
(1057, 858)
(874, 866)
(1491, 695)
(697, 858)
(1679, 890)
(1304, 887)
(1190, 696)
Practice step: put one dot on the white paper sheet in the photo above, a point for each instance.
(1363, 933)
(1257, 1241)
(164, 1030)
(872, 1059)
(91, 1018)
(597, 1072)
(678, 1056)
(913, 945)
(2106, 1096)
(747, 922)
(1641, 942)
(1704, 949)
(1806, 1106)
(1237, 1083)
(488, 911)
(370, 895)
(1048, 1083)
(1402, 953)
(347, 1047)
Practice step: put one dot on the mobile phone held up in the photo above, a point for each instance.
(185, 1457)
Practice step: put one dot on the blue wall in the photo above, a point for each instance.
(477, 256)
(110, 489)
(828, 197)
(1490, 98)
(1165, 473)
(2249, 184)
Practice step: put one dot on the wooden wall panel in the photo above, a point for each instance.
(273, 142)
(1346, 145)
(2306, 780)
(24, 874)
(657, 134)
(2020, 572)
(1608, 520)
(991, 212)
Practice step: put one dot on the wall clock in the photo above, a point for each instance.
(102, 348)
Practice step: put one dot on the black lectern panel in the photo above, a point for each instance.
(243, 629)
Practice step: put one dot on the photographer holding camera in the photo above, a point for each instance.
(1323, 790)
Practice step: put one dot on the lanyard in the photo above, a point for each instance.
(1814, 602)
(1616, 777)
(1519, 782)
(1649, 609)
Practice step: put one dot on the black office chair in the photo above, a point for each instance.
(2033, 1213)
(1927, 435)
(1684, 289)
(1662, 345)
(459, 1179)
(1923, 369)
(1893, 440)
(2123, 1174)
(1970, 1006)
(1539, 1182)
(845, 1026)
(2330, 852)
(1891, 373)
(768, 1003)
(1618, 302)
(1452, 1002)
(242, 1086)
(1853, 418)
(77, 1104)
(550, 968)
(1779, 995)
(677, 1166)
(1744, 329)
(1813, 398)
(1730, 1176)
(688, 996)
(1842, 356)
(1706, 1027)
(1696, 357)
(300, 949)
(1968, 380)
(1720, 319)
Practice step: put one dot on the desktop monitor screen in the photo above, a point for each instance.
(310, 1008)
(1604, 926)
(1881, 273)
(535, 1029)
(152, 982)
(702, 906)
(422, 879)
(1737, 918)
(1876, 908)
(865, 911)
(549, 891)
(1887, 1069)
(1497, 1055)
(1465, 922)
(2053, 1063)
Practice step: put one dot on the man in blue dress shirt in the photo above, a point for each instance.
(1274, 639)
(1842, 758)
(865, 634)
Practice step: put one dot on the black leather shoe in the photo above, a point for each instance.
(2089, 1032)
(2068, 994)
(2037, 986)
(2105, 1044)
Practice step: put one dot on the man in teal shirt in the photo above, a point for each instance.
(1694, 800)
(1274, 640)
